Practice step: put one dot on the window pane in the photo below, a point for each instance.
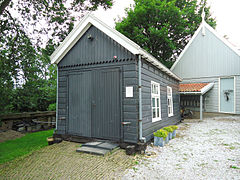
(154, 112)
(153, 102)
(158, 113)
(157, 102)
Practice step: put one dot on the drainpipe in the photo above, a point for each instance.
(57, 103)
(141, 138)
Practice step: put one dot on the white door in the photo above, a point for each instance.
(227, 95)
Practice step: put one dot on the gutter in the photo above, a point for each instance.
(141, 138)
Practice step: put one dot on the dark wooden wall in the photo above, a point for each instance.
(151, 73)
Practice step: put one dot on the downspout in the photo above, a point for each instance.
(57, 102)
(141, 138)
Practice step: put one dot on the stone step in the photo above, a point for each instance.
(97, 148)
(103, 145)
(93, 150)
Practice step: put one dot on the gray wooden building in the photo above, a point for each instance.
(208, 58)
(110, 88)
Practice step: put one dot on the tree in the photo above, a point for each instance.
(163, 27)
(30, 30)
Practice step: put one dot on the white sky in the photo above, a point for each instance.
(226, 12)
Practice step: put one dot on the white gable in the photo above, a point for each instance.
(85, 24)
(207, 55)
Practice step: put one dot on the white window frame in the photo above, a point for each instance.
(169, 99)
(156, 95)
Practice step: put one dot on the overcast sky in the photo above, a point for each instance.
(226, 12)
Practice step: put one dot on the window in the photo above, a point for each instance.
(169, 101)
(156, 107)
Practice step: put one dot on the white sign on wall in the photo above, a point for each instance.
(129, 91)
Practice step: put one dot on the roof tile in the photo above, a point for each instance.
(193, 87)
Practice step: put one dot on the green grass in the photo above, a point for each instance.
(12, 149)
(234, 167)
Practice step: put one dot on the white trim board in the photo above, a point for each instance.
(131, 46)
(204, 25)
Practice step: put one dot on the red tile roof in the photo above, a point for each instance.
(193, 87)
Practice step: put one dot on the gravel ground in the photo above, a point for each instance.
(208, 149)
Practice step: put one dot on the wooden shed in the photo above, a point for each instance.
(110, 88)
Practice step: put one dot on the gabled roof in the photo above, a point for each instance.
(202, 27)
(83, 26)
(195, 88)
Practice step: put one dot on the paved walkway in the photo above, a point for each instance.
(203, 150)
(61, 161)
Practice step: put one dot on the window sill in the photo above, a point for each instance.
(156, 119)
(170, 115)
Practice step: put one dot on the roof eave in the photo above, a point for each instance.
(191, 93)
(156, 63)
(206, 88)
(187, 46)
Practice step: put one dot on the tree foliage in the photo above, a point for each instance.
(30, 30)
(163, 27)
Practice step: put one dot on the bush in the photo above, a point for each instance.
(52, 107)
(168, 129)
(174, 127)
(161, 133)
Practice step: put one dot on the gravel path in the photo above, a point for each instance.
(209, 149)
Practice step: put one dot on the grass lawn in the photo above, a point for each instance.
(12, 149)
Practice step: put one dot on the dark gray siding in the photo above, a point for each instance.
(87, 55)
(130, 104)
(106, 106)
(151, 73)
(62, 102)
(101, 49)
(129, 109)
(80, 103)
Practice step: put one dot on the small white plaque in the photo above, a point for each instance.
(129, 91)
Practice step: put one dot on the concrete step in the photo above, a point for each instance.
(93, 150)
(98, 148)
(103, 145)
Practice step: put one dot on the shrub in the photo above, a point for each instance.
(52, 107)
(161, 133)
(174, 127)
(168, 129)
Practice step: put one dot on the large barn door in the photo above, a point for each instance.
(227, 95)
(106, 108)
(79, 122)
